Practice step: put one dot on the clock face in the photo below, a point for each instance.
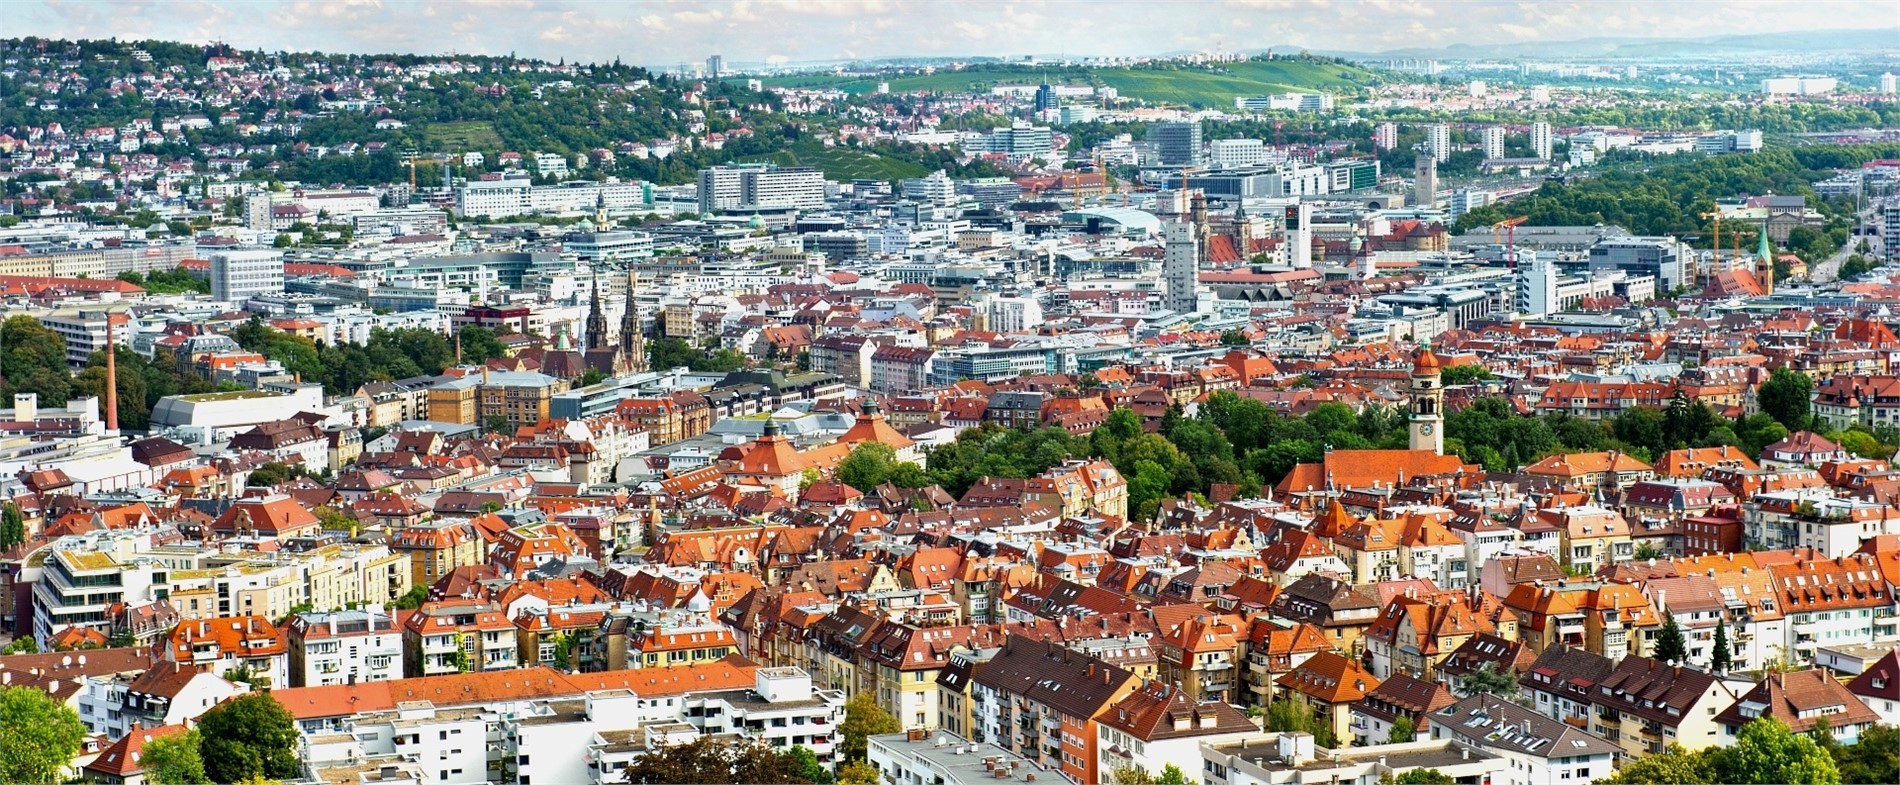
(1425, 429)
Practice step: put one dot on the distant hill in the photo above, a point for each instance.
(1809, 41)
(1199, 86)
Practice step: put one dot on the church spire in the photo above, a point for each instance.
(596, 321)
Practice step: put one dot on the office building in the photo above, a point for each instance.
(1297, 220)
(1798, 85)
(1180, 268)
(934, 188)
(1889, 84)
(1493, 138)
(1236, 153)
(239, 275)
(715, 65)
(1479, 89)
(1438, 141)
(1657, 257)
(1464, 200)
(1541, 140)
(1020, 141)
(757, 186)
(1385, 136)
(1045, 98)
(1178, 144)
(1425, 183)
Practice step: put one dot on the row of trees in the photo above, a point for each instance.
(707, 761)
(1766, 751)
(246, 739)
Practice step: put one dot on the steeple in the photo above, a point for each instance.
(633, 345)
(596, 321)
(1765, 265)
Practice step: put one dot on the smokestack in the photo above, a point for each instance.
(112, 379)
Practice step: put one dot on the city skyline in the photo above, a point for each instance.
(775, 32)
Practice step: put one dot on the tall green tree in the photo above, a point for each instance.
(1671, 648)
(1673, 766)
(1403, 730)
(248, 737)
(33, 360)
(174, 760)
(1786, 396)
(1766, 751)
(1492, 681)
(867, 466)
(1875, 758)
(12, 526)
(863, 718)
(1722, 655)
(38, 736)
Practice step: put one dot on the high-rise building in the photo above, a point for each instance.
(1181, 268)
(242, 274)
(1540, 140)
(1889, 84)
(1425, 181)
(1493, 138)
(1179, 144)
(1438, 141)
(1297, 220)
(1385, 136)
(1478, 88)
(715, 65)
(1045, 98)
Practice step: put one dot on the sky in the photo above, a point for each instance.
(666, 32)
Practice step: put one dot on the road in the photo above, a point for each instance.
(1828, 269)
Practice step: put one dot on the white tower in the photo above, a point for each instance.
(1298, 221)
(1181, 267)
(1540, 140)
(1428, 396)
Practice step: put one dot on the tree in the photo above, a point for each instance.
(1424, 777)
(247, 737)
(1455, 375)
(863, 718)
(270, 474)
(1171, 775)
(709, 761)
(1673, 766)
(33, 360)
(174, 760)
(1670, 646)
(413, 598)
(591, 377)
(1766, 751)
(1492, 681)
(1721, 656)
(1131, 775)
(479, 345)
(498, 424)
(867, 466)
(805, 766)
(858, 773)
(1403, 731)
(1786, 396)
(1873, 759)
(41, 735)
(12, 526)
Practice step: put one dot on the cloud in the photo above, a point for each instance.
(663, 32)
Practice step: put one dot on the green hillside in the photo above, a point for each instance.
(843, 163)
(1203, 86)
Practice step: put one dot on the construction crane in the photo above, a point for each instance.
(1715, 247)
(1508, 227)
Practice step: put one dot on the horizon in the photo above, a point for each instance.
(663, 34)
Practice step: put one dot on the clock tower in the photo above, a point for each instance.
(1428, 399)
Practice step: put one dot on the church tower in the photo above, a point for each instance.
(1428, 398)
(596, 329)
(1765, 263)
(633, 345)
